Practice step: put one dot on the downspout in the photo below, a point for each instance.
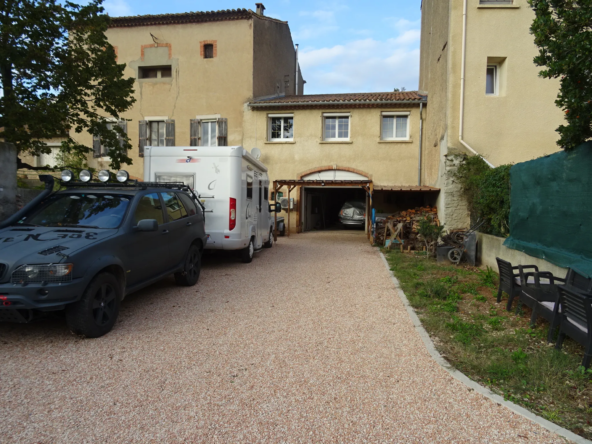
(420, 141)
(462, 87)
(296, 75)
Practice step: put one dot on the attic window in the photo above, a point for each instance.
(154, 72)
(208, 51)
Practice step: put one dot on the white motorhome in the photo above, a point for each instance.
(233, 186)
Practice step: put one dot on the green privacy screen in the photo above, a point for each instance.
(551, 208)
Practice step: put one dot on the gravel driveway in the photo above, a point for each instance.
(309, 343)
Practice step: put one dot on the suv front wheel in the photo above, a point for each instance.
(94, 315)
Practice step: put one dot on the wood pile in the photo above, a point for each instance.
(403, 227)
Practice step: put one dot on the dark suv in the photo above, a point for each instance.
(84, 248)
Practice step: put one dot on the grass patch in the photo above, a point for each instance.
(458, 306)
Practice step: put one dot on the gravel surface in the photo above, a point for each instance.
(308, 343)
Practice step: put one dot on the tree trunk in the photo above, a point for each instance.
(8, 156)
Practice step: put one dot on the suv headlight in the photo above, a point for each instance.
(50, 273)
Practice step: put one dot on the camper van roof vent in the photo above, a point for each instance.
(256, 153)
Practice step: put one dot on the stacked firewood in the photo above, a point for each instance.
(404, 226)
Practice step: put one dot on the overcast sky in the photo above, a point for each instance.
(345, 45)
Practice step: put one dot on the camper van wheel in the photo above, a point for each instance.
(247, 253)
(269, 243)
(190, 274)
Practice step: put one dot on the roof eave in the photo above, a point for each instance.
(335, 103)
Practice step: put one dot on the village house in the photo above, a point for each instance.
(486, 98)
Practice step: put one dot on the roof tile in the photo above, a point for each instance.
(312, 99)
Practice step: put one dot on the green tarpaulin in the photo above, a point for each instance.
(551, 208)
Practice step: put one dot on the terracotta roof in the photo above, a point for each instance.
(405, 188)
(186, 17)
(342, 99)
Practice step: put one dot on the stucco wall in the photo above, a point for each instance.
(433, 78)
(519, 124)
(388, 163)
(489, 247)
(274, 58)
(198, 86)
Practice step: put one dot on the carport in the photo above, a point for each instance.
(385, 199)
(366, 186)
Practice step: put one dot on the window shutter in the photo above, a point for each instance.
(222, 132)
(123, 125)
(96, 146)
(170, 133)
(194, 132)
(143, 134)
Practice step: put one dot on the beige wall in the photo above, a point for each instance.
(519, 124)
(388, 163)
(218, 86)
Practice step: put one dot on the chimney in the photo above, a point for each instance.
(260, 8)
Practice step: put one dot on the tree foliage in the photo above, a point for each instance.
(562, 30)
(487, 191)
(59, 77)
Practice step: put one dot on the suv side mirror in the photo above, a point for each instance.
(275, 208)
(147, 225)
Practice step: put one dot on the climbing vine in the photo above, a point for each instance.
(487, 191)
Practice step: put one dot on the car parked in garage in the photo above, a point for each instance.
(353, 214)
(84, 248)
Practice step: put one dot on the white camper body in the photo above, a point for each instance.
(232, 185)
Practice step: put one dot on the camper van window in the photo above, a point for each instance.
(249, 187)
(260, 196)
(174, 208)
(266, 193)
(149, 208)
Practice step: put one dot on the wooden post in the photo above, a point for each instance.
(288, 226)
(275, 227)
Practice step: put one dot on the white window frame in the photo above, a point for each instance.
(496, 76)
(208, 121)
(337, 139)
(281, 139)
(394, 114)
(148, 129)
(104, 157)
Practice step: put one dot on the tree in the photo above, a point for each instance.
(59, 76)
(562, 31)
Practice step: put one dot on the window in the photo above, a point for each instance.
(491, 82)
(188, 203)
(149, 207)
(260, 195)
(336, 127)
(395, 126)
(266, 193)
(99, 149)
(489, 2)
(208, 133)
(281, 127)
(187, 179)
(174, 208)
(156, 133)
(154, 72)
(208, 51)
(249, 187)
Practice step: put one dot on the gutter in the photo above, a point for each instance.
(420, 141)
(462, 88)
(350, 102)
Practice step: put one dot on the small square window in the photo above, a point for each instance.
(395, 127)
(336, 128)
(491, 81)
(208, 51)
(281, 128)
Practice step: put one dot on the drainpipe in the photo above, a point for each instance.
(420, 141)
(296, 76)
(462, 87)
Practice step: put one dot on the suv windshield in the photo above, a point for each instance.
(92, 210)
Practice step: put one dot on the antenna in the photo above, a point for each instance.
(256, 153)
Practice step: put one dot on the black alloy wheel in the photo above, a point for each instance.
(190, 274)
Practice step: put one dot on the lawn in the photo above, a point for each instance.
(458, 307)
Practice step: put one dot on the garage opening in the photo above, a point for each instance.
(322, 207)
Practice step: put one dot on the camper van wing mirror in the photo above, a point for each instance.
(275, 208)
(147, 225)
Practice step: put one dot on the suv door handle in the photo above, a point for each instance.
(189, 224)
(165, 231)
